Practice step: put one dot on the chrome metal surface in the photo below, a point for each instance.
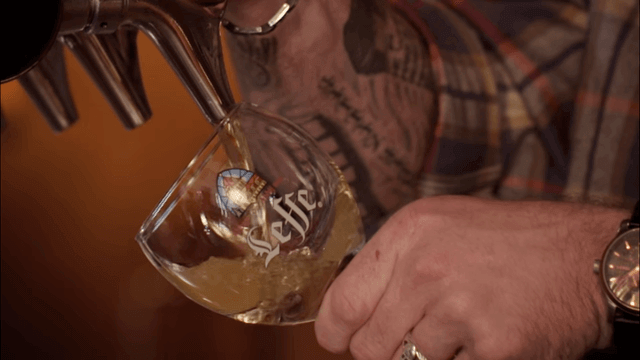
(102, 35)
(77, 15)
(108, 16)
(269, 26)
(112, 62)
(624, 226)
(92, 16)
(46, 84)
(188, 35)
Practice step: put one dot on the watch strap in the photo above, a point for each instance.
(626, 332)
(624, 345)
(635, 216)
(621, 316)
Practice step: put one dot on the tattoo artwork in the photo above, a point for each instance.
(380, 40)
(332, 138)
(259, 61)
(369, 104)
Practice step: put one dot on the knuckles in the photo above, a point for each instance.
(348, 307)
(423, 269)
(368, 342)
(345, 311)
(324, 337)
(362, 351)
(461, 306)
(495, 347)
(494, 339)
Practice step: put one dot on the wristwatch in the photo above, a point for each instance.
(618, 271)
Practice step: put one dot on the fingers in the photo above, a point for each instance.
(398, 354)
(413, 288)
(410, 350)
(397, 312)
(353, 297)
(439, 339)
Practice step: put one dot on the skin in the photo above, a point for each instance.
(514, 282)
(368, 104)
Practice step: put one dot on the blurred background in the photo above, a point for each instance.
(75, 284)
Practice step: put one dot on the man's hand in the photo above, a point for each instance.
(475, 279)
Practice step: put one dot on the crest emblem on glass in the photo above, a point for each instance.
(261, 220)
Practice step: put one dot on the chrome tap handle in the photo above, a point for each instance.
(99, 33)
(46, 84)
(188, 35)
(112, 62)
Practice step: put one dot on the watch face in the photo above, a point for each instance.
(620, 270)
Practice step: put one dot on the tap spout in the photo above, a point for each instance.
(188, 35)
(112, 62)
(47, 86)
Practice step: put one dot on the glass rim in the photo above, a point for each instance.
(179, 187)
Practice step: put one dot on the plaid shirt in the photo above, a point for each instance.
(536, 99)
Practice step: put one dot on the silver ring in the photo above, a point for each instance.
(410, 350)
(266, 28)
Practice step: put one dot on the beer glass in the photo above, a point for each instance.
(258, 224)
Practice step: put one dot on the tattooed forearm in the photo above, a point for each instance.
(357, 78)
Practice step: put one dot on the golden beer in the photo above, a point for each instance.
(258, 225)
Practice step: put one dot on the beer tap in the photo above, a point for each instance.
(47, 86)
(102, 35)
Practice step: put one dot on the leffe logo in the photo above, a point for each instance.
(238, 189)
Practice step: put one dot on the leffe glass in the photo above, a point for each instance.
(259, 223)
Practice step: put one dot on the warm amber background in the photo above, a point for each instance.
(75, 285)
